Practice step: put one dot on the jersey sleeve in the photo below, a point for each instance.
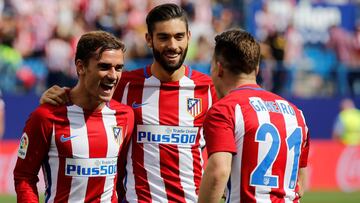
(123, 153)
(219, 130)
(33, 148)
(305, 151)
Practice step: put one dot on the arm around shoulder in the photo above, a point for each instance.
(55, 95)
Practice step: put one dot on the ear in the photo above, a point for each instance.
(220, 72)
(257, 70)
(148, 39)
(80, 68)
(189, 35)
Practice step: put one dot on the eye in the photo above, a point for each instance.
(104, 66)
(180, 36)
(119, 68)
(162, 37)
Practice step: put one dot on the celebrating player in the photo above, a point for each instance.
(164, 162)
(77, 144)
(257, 142)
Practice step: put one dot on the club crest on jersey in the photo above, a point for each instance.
(194, 106)
(118, 134)
(24, 143)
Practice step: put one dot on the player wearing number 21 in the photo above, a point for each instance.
(258, 142)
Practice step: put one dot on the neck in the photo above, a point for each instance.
(164, 76)
(237, 81)
(81, 98)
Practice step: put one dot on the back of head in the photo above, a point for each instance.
(347, 104)
(165, 12)
(237, 51)
(90, 42)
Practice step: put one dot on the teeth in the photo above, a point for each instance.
(171, 54)
(109, 85)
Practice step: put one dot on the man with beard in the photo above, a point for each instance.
(169, 99)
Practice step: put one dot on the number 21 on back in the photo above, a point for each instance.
(261, 175)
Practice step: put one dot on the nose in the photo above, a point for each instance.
(172, 44)
(112, 73)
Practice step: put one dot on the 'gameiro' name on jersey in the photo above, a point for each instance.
(161, 134)
(277, 106)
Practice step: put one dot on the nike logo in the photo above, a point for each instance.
(65, 139)
(135, 105)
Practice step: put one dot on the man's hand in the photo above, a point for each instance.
(55, 95)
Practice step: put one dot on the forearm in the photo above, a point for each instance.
(302, 181)
(215, 177)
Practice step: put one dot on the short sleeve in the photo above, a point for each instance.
(219, 130)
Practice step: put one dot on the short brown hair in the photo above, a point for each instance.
(90, 42)
(237, 51)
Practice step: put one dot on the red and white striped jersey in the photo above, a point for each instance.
(164, 162)
(269, 140)
(77, 149)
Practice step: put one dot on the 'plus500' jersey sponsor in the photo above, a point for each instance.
(91, 167)
(166, 134)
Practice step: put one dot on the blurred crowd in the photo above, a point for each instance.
(38, 38)
(297, 61)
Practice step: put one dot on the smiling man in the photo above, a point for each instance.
(77, 144)
(170, 100)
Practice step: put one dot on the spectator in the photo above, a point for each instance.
(340, 42)
(347, 124)
(58, 58)
(276, 42)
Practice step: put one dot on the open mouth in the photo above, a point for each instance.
(107, 87)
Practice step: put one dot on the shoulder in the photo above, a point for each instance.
(47, 110)
(120, 107)
(137, 73)
(227, 102)
(47, 113)
(200, 77)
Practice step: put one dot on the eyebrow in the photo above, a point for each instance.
(167, 34)
(109, 65)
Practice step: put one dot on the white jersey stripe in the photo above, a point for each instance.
(234, 190)
(80, 149)
(185, 154)
(209, 97)
(291, 124)
(125, 94)
(236, 160)
(151, 151)
(54, 166)
(130, 179)
(262, 193)
(109, 121)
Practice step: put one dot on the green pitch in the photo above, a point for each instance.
(331, 197)
(309, 197)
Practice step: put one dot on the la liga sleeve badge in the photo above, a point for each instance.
(24, 144)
